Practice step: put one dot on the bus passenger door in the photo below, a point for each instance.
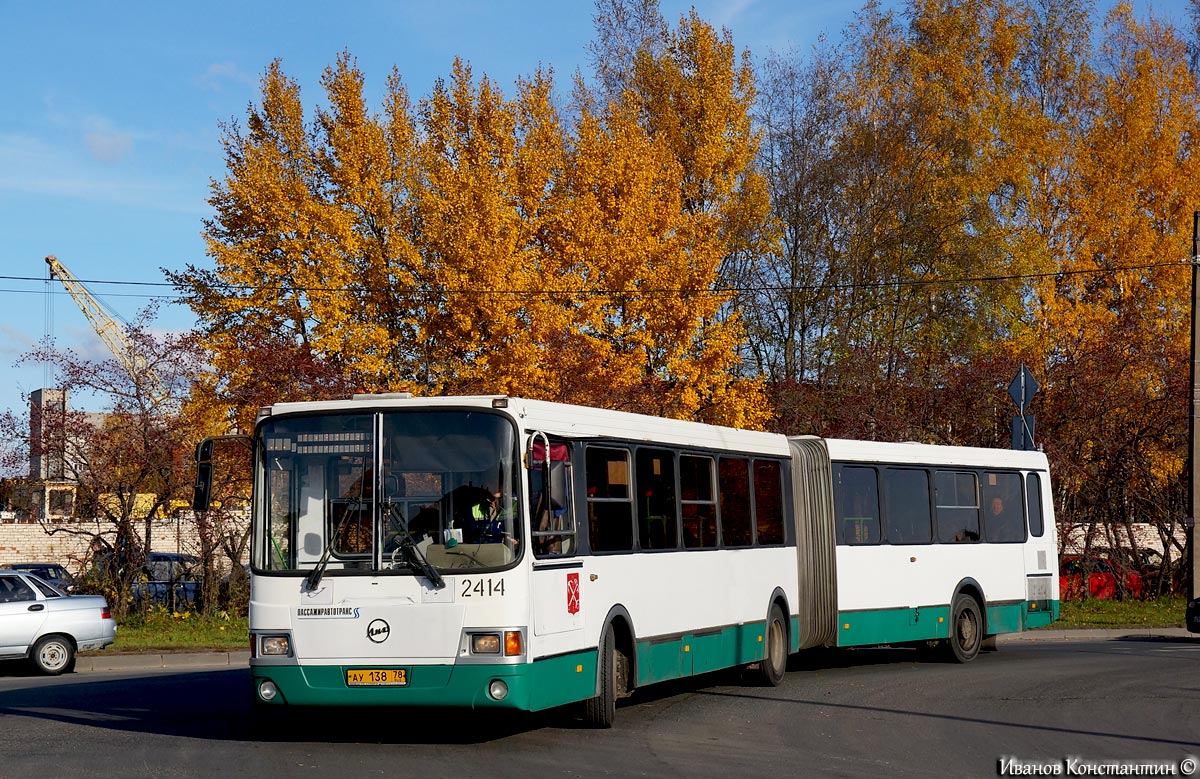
(557, 580)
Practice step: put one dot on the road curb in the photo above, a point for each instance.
(1090, 634)
(144, 661)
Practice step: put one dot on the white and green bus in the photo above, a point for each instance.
(500, 552)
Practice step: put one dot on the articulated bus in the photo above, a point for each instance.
(500, 552)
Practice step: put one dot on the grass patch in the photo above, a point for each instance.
(1166, 611)
(166, 631)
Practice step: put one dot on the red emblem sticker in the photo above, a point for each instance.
(572, 593)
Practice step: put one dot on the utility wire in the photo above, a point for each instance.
(635, 292)
(107, 294)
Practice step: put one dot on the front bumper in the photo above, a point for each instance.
(530, 686)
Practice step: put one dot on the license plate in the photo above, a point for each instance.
(377, 677)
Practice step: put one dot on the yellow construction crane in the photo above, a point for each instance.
(111, 331)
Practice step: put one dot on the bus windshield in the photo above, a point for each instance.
(346, 492)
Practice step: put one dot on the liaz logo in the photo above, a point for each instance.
(378, 631)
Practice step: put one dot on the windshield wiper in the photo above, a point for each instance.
(415, 557)
(418, 560)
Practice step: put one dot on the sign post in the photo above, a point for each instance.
(1192, 618)
(1021, 390)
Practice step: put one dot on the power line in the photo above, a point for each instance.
(107, 295)
(635, 292)
(96, 281)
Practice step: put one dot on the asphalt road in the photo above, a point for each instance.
(838, 713)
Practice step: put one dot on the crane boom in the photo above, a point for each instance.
(111, 332)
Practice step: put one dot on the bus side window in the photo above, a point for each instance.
(697, 501)
(906, 492)
(1033, 499)
(1003, 520)
(857, 505)
(768, 502)
(657, 522)
(733, 497)
(956, 495)
(609, 499)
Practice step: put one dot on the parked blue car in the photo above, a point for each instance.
(49, 572)
(170, 581)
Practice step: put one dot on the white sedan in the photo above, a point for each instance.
(40, 622)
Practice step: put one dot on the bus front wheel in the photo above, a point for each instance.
(966, 630)
(600, 711)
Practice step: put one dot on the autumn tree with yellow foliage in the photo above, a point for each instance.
(477, 243)
(966, 185)
(900, 169)
(1109, 330)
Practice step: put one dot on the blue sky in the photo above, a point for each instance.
(109, 127)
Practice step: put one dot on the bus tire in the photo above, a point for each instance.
(775, 650)
(600, 711)
(966, 630)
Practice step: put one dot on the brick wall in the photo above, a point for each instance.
(1144, 536)
(67, 543)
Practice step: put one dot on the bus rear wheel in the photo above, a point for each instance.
(966, 630)
(774, 663)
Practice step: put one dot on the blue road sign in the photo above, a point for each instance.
(1023, 388)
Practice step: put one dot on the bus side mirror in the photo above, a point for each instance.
(202, 491)
(558, 485)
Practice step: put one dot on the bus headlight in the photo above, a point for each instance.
(498, 690)
(276, 646)
(485, 644)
